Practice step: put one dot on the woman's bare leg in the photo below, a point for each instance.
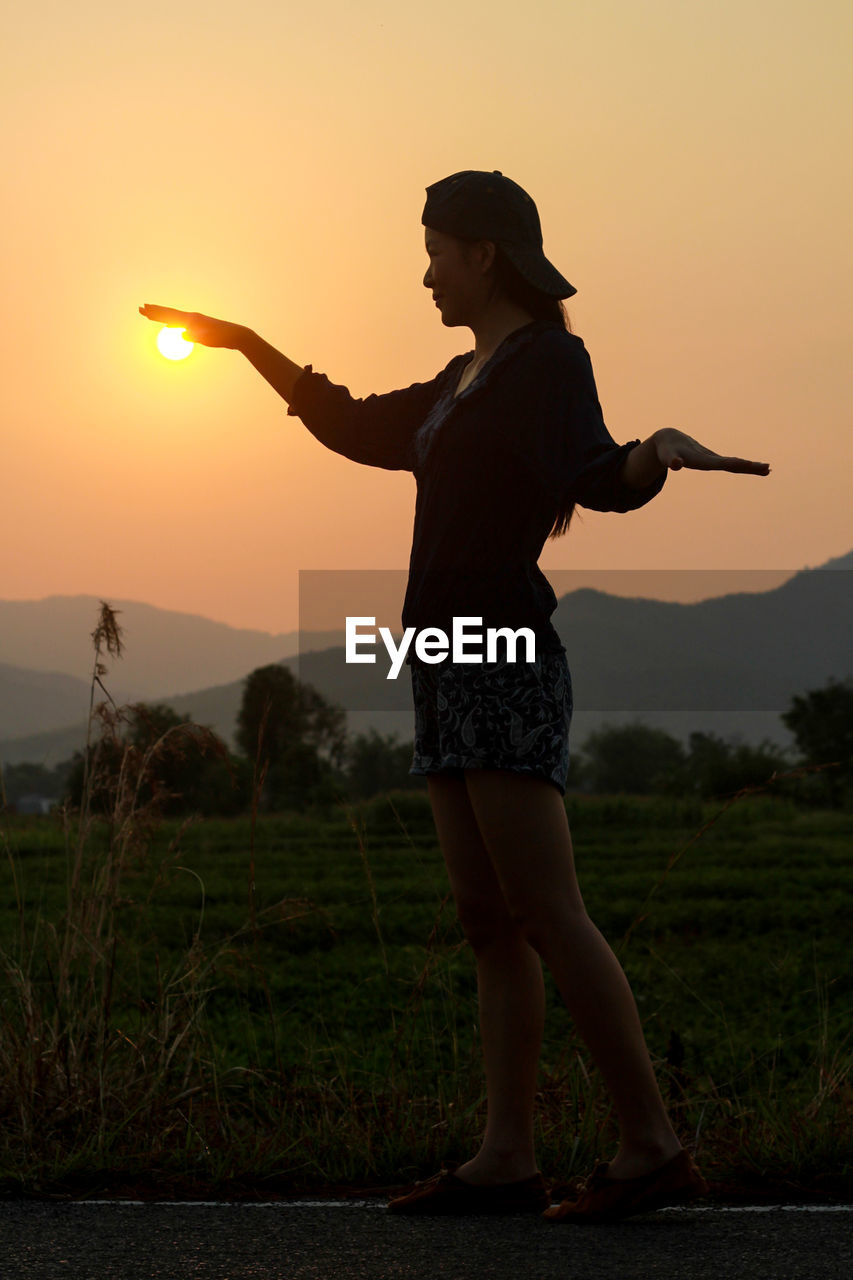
(511, 996)
(510, 988)
(523, 824)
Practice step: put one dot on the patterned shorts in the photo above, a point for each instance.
(494, 715)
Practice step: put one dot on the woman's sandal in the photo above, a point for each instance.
(444, 1193)
(603, 1199)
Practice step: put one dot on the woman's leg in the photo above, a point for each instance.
(523, 824)
(510, 989)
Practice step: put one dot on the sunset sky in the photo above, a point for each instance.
(266, 163)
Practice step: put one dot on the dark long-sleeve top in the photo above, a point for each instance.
(492, 466)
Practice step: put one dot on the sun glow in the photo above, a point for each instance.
(172, 343)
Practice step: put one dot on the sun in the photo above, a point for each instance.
(172, 343)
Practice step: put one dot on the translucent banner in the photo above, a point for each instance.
(639, 642)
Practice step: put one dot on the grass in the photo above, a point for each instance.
(275, 1005)
(151, 1036)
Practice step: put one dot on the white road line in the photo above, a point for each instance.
(758, 1208)
(380, 1204)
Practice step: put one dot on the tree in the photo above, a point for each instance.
(822, 724)
(29, 779)
(294, 733)
(718, 767)
(632, 758)
(639, 760)
(160, 759)
(377, 762)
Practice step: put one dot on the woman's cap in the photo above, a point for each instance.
(476, 205)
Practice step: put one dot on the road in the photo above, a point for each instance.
(357, 1240)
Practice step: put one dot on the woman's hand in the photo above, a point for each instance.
(282, 374)
(198, 328)
(676, 450)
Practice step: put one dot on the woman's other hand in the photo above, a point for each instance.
(205, 330)
(676, 450)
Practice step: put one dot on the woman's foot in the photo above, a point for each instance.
(601, 1198)
(488, 1171)
(449, 1195)
(637, 1162)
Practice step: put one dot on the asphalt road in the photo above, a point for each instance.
(357, 1240)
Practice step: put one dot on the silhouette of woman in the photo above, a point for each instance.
(503, 443)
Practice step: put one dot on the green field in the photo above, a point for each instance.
(163, 1026)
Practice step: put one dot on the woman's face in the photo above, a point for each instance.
(457, 276)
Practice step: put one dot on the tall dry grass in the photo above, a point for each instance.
(78, 1091)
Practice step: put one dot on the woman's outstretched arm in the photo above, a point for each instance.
(376, 431)
(280, 372)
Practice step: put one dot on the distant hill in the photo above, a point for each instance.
(48, 749)
(167, 652)
(729, 665)
(744, 652)
(36, 701)
(216, 707)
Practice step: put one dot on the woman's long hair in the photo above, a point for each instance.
(542, 307)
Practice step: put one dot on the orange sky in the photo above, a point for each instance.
(691, 166)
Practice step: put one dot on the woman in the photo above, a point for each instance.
(503, 443)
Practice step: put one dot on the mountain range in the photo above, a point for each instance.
(728, 665)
